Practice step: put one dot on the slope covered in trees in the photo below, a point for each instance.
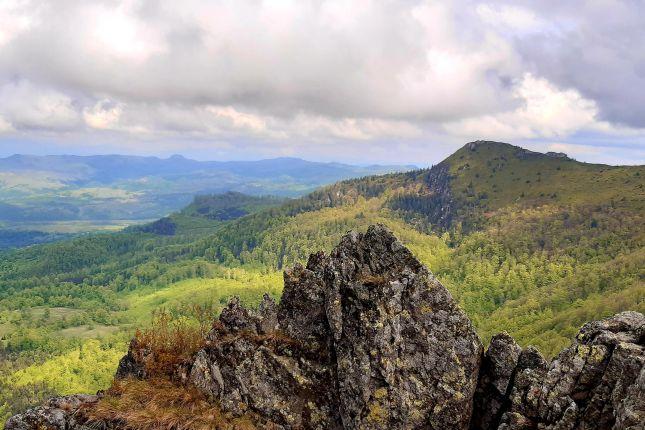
(535, 244)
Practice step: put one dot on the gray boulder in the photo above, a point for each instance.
(59, 413)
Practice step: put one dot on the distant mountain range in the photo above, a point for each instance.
(107, 169)
(36, 191)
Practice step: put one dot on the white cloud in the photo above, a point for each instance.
(27, 106)
(5, 126)
(117, 31)
(14, 19)
(545, 111)
(574, 150)
(514, 18)
(104, 115)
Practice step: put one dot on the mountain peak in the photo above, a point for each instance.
(495, 148)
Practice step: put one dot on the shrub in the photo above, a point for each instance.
(169, 342)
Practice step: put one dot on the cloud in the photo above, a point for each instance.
(27, 107)
(279, 57)
(304, 74)
(103, 115)
(544, 111)
(14, 19)
(597, 49)
(5, 126)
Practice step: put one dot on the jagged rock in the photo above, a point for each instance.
(596, 383)
(132, 364)
(367, 335)
(495, 378)
(267, 315)
(235, 317)
(407, 356)
(367, 338)
(276, 375)
(301, 313)
(59, 413)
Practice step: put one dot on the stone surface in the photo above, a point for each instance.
(59, 413)
(597, 383)
(367, 338)
(277, 362)
(495, 377)
(406, 355)
(132, 364)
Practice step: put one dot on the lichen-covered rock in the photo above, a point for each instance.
(596, 383)
(495, 378)
(365, 338)
(276, 363)
(406, 355)
(59, 413)
(132, 364)
(235, 317)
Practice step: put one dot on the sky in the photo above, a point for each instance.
(353, 81)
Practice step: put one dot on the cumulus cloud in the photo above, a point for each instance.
(597, 49)
(544, 111)
(26, 106)
(248, 73)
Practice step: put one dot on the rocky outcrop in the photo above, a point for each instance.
(597, 383)
(495, 381)
(406, 355)
(367, 338)
(59, 413)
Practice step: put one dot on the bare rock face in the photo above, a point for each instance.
(132, 364)
(367, 338)
(495, 378)
(406, 355)
(597, 383)
(274, 363)
(59, 413)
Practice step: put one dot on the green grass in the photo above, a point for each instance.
(495, 171)
(87, 331)
(249, 286)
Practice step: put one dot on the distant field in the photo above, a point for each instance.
(74, 227)
(88, 331)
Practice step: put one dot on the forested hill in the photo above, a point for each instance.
(477, 187)
(533, 244)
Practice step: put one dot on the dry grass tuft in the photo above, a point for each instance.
(169, 343)
(158, 404)
(369, 279)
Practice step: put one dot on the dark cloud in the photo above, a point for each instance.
(598, 48)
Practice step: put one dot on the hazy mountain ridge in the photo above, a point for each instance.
(37, 192)
(84, 170)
